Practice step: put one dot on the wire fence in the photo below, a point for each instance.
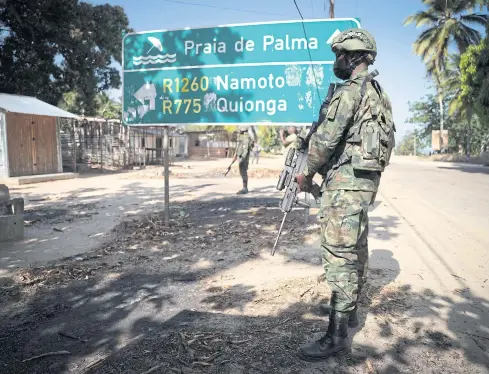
(99, 144)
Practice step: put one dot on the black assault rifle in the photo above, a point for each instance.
(295, 163)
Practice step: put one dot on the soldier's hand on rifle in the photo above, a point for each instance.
(305, 183)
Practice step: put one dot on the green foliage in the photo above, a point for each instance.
(268, 138)
(425, 113)
(50, 47)
(447, 22)
(461, 80)
(406, 145)
(104, 106)
(474, 91)
(480, 76)
(71, 102)
(468, 68)
(230, 128)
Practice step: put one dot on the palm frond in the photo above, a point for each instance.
(464, 36)
(421, 19)
(425, 44)
(477, 19)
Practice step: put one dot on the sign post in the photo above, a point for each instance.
(271, 73)
(166, 173)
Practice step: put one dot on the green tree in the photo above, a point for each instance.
(408, 143)
(425, 114)
(476, 74)
(474, 88)
(50, 47)
(268, 138)
(447, 23)
(106, 107)
(70, 101)
(461, 103)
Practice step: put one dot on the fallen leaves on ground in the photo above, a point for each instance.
(208, 229)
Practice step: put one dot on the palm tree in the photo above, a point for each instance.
(461, 103)
(331, 8)
(70, 101)
(447, 22)
(106, 107)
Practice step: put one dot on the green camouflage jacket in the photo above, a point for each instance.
(245, 145)
(328, 144)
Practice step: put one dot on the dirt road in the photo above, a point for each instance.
(204, 296)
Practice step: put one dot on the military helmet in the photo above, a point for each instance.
(353, 40)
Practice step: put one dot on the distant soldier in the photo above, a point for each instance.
(246, 140)
(256, 153)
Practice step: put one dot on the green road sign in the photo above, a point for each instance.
(258, 73)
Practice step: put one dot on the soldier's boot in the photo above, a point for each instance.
(244, 190)
(335, 342)
(353, 321)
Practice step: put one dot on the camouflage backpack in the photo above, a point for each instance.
(373, 136)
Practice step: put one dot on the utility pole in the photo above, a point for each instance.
(331, 8)
(414, 150)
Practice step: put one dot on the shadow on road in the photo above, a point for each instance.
(468, 169)
(158, 298)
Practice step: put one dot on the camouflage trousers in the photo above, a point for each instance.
(344, 243)
(243, 168)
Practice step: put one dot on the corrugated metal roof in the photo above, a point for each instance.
(31, 105)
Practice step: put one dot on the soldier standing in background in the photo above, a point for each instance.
(351, 148)
(246, 140)
(256, 153)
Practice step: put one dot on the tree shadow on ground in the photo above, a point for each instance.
(157, 297)
(134, 323)
(468, 169)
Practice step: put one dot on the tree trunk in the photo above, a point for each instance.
(442, 122)
(331, 8)
(469, 129)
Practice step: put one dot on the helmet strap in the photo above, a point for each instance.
(355, 59)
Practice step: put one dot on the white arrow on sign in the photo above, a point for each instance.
(147, 92)
(330, 40)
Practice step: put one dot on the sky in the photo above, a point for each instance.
(401, 72)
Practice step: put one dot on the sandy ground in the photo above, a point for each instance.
(70, 217)
(205, 296)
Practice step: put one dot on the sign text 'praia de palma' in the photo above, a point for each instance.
(229, 74)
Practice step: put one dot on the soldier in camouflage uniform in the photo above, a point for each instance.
(351, 148)
(246, 142)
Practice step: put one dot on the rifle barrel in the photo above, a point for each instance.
(278, 236)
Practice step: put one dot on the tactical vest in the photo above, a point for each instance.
(370, 140)
(245, 145)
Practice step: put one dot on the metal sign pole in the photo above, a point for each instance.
(166, 173)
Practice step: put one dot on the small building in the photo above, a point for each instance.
(211, 144)
(29, 137)
(148, 143)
